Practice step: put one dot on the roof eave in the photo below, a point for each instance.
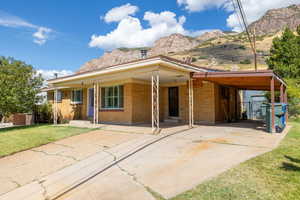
(140, 63)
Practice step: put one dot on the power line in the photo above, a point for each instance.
(239, 6)
(237, 14)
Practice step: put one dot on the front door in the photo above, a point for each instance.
(173, 102)
(91, 102)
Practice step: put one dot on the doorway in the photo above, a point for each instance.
(173, 101)
(91, 102)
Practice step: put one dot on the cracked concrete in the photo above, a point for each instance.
(55, 154)
(134, 178)
(166, 168)
(177, 163)
(27, 166)
(44, 189)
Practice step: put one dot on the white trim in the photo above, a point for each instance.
(114, 86)
(143, 63)
(77, 102)
(53, 88)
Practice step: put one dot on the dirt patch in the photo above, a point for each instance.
(184, 159)
(198, 148)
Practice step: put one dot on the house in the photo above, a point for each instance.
(153, 90)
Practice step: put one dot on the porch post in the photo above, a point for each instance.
(272, 103)
(97, 102)
(95, 96)
(281, 94)
(285, 97)
(191, 103)
(55, 107)
(155, 101)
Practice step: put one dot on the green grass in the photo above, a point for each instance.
(17, 139)
(272, 176)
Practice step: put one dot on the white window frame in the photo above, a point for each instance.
(72, 96)
(59, 96)
(105, 98)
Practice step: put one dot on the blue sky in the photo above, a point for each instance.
(56, 34)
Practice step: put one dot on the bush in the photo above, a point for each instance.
(194, 59)
(246, 62)
(202, 57)
(43, 113)
(294, 97)
(242, 47)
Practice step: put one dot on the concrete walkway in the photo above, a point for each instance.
(168, 167)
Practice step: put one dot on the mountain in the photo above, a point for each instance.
(215, 49)
(276, 20)
(171, 44)
(210, 35)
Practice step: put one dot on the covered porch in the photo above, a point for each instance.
(155, 97)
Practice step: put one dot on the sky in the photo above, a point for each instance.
(56, 36)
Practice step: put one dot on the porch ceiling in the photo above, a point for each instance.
(246, 80)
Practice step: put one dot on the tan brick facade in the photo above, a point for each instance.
(68, 110)
(208, 104)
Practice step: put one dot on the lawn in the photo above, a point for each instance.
(271, 176)
(21, 138)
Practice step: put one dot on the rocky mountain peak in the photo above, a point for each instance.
(170, 44)
(211, 34)
(276, 20)
(173, 43)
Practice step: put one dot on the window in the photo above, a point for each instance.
(50, 96)
(59, 96)
(77, 96)
(112, 97)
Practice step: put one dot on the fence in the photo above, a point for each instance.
(252, 110)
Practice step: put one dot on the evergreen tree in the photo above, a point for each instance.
(285, 54)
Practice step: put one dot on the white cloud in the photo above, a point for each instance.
(254, 9)
(118, 13)
(49, 74)
(41, 34)
(199, 5)
(130, 33)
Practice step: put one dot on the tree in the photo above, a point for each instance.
(285, 54)
(19, 86)
(285, 60)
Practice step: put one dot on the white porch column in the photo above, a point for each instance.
(55, 109)
(191, 103)
(97, 103)
(155, 102)
(94, 113)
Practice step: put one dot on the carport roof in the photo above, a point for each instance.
(244, 80)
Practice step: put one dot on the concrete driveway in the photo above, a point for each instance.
(24, 167)
(167, 168)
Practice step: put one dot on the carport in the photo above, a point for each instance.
(265, 80)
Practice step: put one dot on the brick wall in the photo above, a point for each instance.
(137, 104)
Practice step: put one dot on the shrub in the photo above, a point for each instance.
(202, 57)
(246, 62)
(242, 47)
(43, 113)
